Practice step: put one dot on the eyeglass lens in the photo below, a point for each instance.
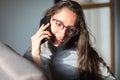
(59, 26)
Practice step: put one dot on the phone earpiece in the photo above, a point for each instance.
(45, 20)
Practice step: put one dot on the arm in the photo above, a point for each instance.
(36, 43)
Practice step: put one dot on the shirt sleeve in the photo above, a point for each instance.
(28, 55)
(45, 57)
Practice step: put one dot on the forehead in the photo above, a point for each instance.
(65, 15)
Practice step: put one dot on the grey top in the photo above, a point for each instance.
(62, 63)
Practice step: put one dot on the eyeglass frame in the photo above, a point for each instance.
(76, 30)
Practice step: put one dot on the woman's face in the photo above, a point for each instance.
(62, 26)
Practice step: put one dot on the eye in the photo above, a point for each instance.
(58, 24)
(72, 30)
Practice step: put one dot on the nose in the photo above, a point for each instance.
(63, 33)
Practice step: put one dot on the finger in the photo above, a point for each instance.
(39, 30)
(37, 40)
(46, 33)
(43, 27)
(44, 37)
(43, 33)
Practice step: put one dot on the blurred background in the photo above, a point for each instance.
(19, 20)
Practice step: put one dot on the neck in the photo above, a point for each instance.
(55, 49)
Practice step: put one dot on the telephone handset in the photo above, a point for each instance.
(44, 21)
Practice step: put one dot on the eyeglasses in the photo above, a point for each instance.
(60, 26)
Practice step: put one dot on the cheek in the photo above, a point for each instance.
(54, 32)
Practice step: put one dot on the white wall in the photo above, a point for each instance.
(19, 20)
(100, 29)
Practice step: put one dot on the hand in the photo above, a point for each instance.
(36, 43)
(38, 37)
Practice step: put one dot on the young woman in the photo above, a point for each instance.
(67, 54)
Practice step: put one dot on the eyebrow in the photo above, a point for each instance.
(62, 22)
(58, 21)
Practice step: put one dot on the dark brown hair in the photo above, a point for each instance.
(88, 59)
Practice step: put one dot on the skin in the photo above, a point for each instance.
(68, 18)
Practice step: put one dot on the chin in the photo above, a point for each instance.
(58, 45)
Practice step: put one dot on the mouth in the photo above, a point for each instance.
(60, 40)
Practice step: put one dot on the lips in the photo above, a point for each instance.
(60, 40)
